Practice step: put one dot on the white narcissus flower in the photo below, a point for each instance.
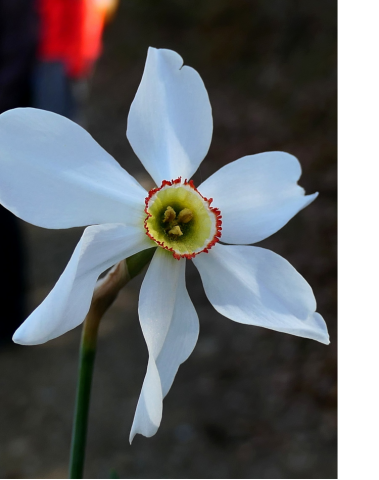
(54, 175)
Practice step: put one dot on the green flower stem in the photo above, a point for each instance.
(104, 295)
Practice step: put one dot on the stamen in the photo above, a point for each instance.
(176, 231)
(185, 215)
(169, 215)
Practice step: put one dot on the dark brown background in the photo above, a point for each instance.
(249, 403)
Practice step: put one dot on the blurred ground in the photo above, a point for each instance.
(249, 403)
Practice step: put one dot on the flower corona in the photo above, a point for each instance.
(181, 220)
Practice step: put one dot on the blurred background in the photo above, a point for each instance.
(249, 402)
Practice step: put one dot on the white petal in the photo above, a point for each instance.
(170, 119)
(66, 306)
(255, 286)
(170, 326)
(257, 195)
(53, 174)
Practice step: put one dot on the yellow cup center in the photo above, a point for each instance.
(179, 219)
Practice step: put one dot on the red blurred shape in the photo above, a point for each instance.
(70, 32)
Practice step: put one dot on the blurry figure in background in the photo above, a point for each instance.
(70, 43)
(68, 33)
(18, 39)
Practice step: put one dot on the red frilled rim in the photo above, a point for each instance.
(215, 211)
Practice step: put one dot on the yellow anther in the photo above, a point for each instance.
(185, 215)
(176, 231)
(169, 215)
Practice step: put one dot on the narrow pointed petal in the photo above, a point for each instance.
(53, 174)
(257, 195)
(171, 327)
(255, 286)
(170, 120)
(66, 306)
(149, 408)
